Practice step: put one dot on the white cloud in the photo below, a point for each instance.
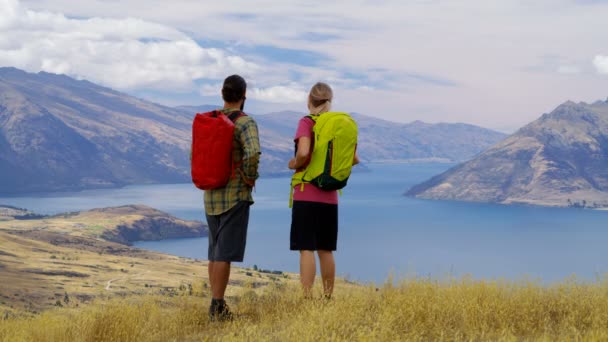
(480, 46)
(289, 94)
(9, 10)
(601, 64)
(122, 53)
(279, 94)
(210, 89)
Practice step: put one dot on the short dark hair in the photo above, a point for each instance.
(234, 89)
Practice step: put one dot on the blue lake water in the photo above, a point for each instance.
(381, 232)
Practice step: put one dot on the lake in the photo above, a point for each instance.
(382, 232)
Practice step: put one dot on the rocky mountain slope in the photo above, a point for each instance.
(382, 140)
(58, 133)
(561, 159)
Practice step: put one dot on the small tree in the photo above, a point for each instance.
(66, 299)
(255, 267)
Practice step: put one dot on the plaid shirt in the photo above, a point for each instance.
(246, 154)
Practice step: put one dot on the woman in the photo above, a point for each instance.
(314, 224)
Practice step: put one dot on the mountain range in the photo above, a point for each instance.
(561, 159)
(58, 133)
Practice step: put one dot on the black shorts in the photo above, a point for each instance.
(228, 233)
(314, 226)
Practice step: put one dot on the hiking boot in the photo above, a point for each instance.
(219, 312)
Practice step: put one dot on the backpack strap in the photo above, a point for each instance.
(298, 177)
(235, 115)
(235, 165)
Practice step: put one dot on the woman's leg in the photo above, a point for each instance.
(328, 271)
(308, 269)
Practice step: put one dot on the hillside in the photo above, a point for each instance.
(561, 159)
(10, 212)
(382, 140)
(85, 255)
(419, 309)
(58, 134)
(124, 225)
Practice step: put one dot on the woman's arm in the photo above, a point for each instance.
(301, 155)
(355, 159)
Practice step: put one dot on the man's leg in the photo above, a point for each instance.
(219, 272)
(328, 271)
(219, 275)
(231, 241)
(230, 246)
(213, 224)
(210, 267)
(308, 270)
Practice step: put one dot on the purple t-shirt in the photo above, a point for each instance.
(311, 193)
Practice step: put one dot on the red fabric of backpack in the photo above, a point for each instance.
(212, 136)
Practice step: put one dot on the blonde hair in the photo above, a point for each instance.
(319, 98)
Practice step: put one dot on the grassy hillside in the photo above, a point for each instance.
(61, 281)
(68, 260)
(123, 224)
(417, 310)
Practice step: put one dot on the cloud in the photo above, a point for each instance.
(601, 64)
(279, 94)
(465, 58)
(569, 69)
(122, 53)
(285, 94)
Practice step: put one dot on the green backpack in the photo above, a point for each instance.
(335, 143)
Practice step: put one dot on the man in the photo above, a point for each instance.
(227, 209)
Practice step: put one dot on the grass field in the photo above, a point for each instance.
(416, 310)
(60, 282)
(47, 262)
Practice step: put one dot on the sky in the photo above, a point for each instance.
(497, 64)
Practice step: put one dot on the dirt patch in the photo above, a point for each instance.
(70, 274)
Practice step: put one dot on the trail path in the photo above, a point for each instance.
(109, 283)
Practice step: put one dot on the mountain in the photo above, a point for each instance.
(197, 109)
(58, 133)
(382, 140)
(561, 159)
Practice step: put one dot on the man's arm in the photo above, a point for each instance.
(250, 140)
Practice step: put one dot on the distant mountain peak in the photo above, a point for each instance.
(58, 133)
(561, 159)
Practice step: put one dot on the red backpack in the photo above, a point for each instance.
(212, 136)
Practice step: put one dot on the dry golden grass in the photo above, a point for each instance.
(38, 268)
(417, 310)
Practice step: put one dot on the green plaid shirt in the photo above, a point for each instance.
(246, 153)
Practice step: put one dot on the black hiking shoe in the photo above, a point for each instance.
(219, 311)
